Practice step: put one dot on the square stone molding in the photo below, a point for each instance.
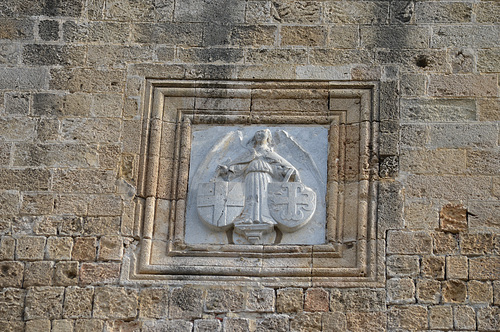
(351, 255)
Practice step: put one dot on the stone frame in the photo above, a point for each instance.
(352, 253)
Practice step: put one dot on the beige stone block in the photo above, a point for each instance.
(445, 243)
(261, 300)
(78, 302)
(224, 300)
(86, 80)
(101, 225)
(440, 161)
(59, 248)
(316, 299)
(110, 248)
(488, 109)
(9, 203)
(457, 267)
(483, 215)
(480, 292)
(115, 302)
(401, 242)
(11, 274)
(66, 273)
(400, 291)
(185, 303)
(70, 204)
(38, 274)
(441, 317)
(84, 249)
(453, 218)
(303, 36)
(476, 244)
(361, 300)
(488, 318)
(484, 268)
(62, 325)
(153, 303)
(413, 317)
(289, 300)
(421, 215)
(366, 321)
(44, 302)
(464, 318)
(209, 325)
(84, 181)
(454, 291)
(30, 248)
(89, 325)
(99, 273)
(496, 292)
(12, 303)
(37, 203)
(402, 266)
(38, 325)
(334, 321)
(306, 322)
(428, 291)
(463, 85)
(234, 325)
(7, 248)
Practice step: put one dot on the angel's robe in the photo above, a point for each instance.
(259, 167)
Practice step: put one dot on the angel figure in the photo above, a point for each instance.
(259, 167)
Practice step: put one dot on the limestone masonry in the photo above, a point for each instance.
(249, 165)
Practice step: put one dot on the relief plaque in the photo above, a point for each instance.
(261, 183)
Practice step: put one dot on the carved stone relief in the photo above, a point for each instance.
(264, 185)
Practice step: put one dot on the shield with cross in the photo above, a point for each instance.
(291, 204)
(220, 202)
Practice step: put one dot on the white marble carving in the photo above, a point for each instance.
(257, 185)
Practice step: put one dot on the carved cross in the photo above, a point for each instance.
(296, 196)
(221, 197)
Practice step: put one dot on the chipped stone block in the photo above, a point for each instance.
(153, 303)
(289, 300)
(78, 302)
(454, 291)
(11, 274)
(44, 302)
(30, 248)
(453, 218)
(38, 274)
(185, 303)
(433, 267)
(59, 248)
(441, 317)
(400, 291)
(66, 273)
(85, 249)
(224, 300)
(115, 302)
(428, 291)
(261, 300)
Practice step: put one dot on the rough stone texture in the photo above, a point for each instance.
(72, 91)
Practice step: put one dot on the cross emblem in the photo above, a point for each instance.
(221, 197)
(290, 200)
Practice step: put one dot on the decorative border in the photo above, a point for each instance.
(352, 252)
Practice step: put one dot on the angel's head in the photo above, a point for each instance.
(262, 137)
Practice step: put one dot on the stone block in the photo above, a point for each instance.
(476, 244)
(115, 302)
(482, 162)
(7, 248)
(463, 85)
(412, 317)
(366, 321)
(9, 203)
(99, 273)
(303, 36)
(390, 207)
(457, 267)
(224, 300)
(273, 323)
(38, 325)
(296, 12)
(484, 268)
(169, 325)
(116, 56)
(462, 60)
(276, 56)
(24, 78)
(289, 300)
(37, 203)
(400, 291)
(17, 103)
(440, 161)
(208, 11)
(401, 242)
(415, 60)
(316, 299)
(12, 326)
(441, 317)
(487, 12)
(395, 37)
(101, 226)
(66, 273)
(487, 61)
(306, 322)
(345, 36)
(84, 249)
(54, 155)
(110, 248)
(445, 243)
(454, 291)
(89, 325)
(42, 54)
(438, 110)
(480, 292)
(207, 325)
(44, 302)
(483, 214)
(101, 130)
(464, 318)
(428, 291)
(9, 54)
(488, 318)
(185, 303)
(16, 29)
(86, 80)
(78, 302)
(448, 187)
(450, 12)
(402, 266)
(359, 300)
(62, 325)
(38, 274)
(130, 10)
(48, 30)
(153, 303)
(320, 56)
(47, 130)
(14, 129)
(496, 292)
(261, 300)
(188, 34)
(105, 205)
(61, 105)
(84, 181)
(30, 248)
(5, 152)
(353, 12)
(12, 303)
(59, 248)
(433, 267)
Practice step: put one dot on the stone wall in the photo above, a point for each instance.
(73, 77)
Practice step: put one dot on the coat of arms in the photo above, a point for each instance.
(255, 193)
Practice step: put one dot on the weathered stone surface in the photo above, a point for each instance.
(488, 318)
(44, 302)
(207, 325)
(261, 300)
(402, 266)
(170, 325)
(110, 248)
(443, 12)
(30, 248)
(476, 244)
(428, 291)
(153, 303)
(278, 323)
(289, 300)
(303, 322)
(99, 273)
(42, 325)
(316, 299)
(433, 267)
(366, 321)
(12, 303)
(360, 300)
(89, 325)
(62, 325)
(400, 291)
(408, 317)
(38, 274)
(115, 302)
(463, 85)
(84, 249)
(59, 248)
(409, 242)
(484, 268)
(454, 291)
(9, 203)
(440, 317)
(7, 248)
(457, 267)
(185, 303)
(236, 324)
(66, 273)
(464, 318)
(223, 300)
